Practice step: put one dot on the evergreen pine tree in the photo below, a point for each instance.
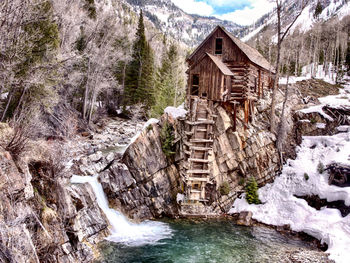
(140, 72)
(252, 195)
(318, 10)
(168, 82)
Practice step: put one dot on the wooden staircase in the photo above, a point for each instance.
(198, 146)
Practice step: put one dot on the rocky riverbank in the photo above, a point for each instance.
(45, 218)
(62, 222)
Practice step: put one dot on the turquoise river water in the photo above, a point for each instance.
(207, 241)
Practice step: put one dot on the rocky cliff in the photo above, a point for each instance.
(145, 183)
(43, 218)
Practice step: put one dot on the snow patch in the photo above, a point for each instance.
(281, 207)
(149, 122)
(321, 125)
(317, 109)
(300, 177)
(176, 112)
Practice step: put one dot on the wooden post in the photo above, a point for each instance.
(246, 111)
(252, 110)
(259, 83)
(234, 116)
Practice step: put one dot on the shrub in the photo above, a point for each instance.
(241, 181)
(90, 8)
(320, 168)
(149, 128)
(167, 139)
(251, 190)
(306, 176)
(313, 120)
(224, 188)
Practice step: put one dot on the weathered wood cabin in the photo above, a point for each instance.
(222, 70)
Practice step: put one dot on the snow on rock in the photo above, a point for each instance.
(321, 125)
(147, 123)
(334, 101)
(305, 21)
(176, 112)
(318, 109)
(343, 128)
(281, 207)
(301, 177)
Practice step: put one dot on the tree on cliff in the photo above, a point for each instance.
(140, 71)
(168, 82)
(280, 37)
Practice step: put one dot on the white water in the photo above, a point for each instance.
(124, 231)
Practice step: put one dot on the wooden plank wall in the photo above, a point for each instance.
(210, 79)
(230, 51)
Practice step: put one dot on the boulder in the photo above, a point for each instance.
(245, 218)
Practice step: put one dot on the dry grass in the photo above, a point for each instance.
(317, 88)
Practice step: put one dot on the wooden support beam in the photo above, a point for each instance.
(200, 148)
(259, 83)
(198, 160)
(234, 116)
(200, 122)
(197, 179)
(246, 111)
(198, 172)
(200, 140)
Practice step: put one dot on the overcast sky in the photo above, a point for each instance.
(243, 12)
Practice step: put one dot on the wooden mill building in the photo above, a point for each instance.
(222, 70)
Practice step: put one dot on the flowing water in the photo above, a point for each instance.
(124, 231)
(185, 241)
(206, 241)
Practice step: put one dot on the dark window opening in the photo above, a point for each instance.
(204, 94)
(218, 46)
(196, 186)
(195, 85)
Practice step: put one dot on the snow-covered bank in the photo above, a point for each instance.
(335, 101)
(312, 71)
(124, 231)
(301, 177)
(281, 207)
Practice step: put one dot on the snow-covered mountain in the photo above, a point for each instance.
(170, 19)
(315, 11)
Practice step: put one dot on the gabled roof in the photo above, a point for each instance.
(223, 68)
(252, 54)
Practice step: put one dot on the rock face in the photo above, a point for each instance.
(43, 218)
(145, 184)
(240, 154)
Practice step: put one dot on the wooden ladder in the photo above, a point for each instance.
(199, 145)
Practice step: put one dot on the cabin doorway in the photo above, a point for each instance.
(195, 85)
